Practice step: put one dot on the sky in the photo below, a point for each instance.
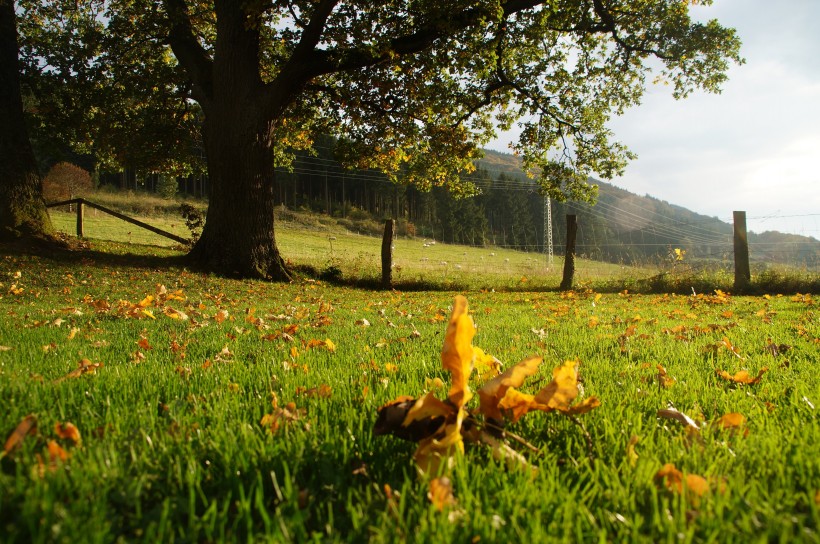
(756, 146)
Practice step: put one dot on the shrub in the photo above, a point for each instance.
(66, 180)
(167, 186)
(194, 220)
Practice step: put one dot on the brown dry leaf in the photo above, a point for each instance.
(728, 345)
(392, 416)
(733, 419)
(427, 407)
(27, 426)
(5, 348)
(441, 493)
(281, 417)
(457, 352)
(438, 450)
(671, 413)
(323, 391)
(56, 452)
(144, 344)
(743, 377)
(84, 367)
(327, 344)
(221, 316)
(664, 379)
(68, 431)
(585, 406)
(776, 349)
(492, 392)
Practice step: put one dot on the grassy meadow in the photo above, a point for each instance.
(204, 409)
(323, 244)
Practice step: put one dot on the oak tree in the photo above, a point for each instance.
(412, 88)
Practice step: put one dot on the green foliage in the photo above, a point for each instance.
(167, 186)
(194, 220)
(91, 88)
(412, 90)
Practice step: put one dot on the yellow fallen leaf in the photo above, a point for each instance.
(175, 314)
(563, 389)
(457, 352)
(493, 391)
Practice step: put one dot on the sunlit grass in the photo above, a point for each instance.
(173, 449)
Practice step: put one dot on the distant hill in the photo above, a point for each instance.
(626, 227)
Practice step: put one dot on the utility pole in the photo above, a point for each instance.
(548, 230)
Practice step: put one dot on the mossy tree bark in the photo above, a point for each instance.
(22, 208)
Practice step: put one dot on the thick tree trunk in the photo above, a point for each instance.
(238, 237)
(22, 208)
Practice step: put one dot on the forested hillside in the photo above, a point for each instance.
(621, 227)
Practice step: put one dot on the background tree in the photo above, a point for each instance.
(66, 180)
(411, 88)
(92, 91)
(22, 208)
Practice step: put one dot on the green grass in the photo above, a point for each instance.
(322, 243)
(173, 449)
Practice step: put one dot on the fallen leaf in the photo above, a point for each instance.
(457, 353)
(27, 426)
(85, 366)
(67, 431)
(663, 378)
(175, 314)
(674, 480)
(492, 392)
(441, 493)
(671, 413)
(742, 377)
(563, 389)
(732, 422)
(322, 391)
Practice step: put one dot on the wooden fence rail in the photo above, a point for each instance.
(81, 202)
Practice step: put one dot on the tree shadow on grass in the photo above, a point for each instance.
(70, 251)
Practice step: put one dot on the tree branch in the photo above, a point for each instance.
(188, 51)
(609, 25)
(340, 60)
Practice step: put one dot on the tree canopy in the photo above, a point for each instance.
(413, 88)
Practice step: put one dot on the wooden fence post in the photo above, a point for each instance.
(80, 230)
(743, 275)
(387, 253)
(569, 255)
